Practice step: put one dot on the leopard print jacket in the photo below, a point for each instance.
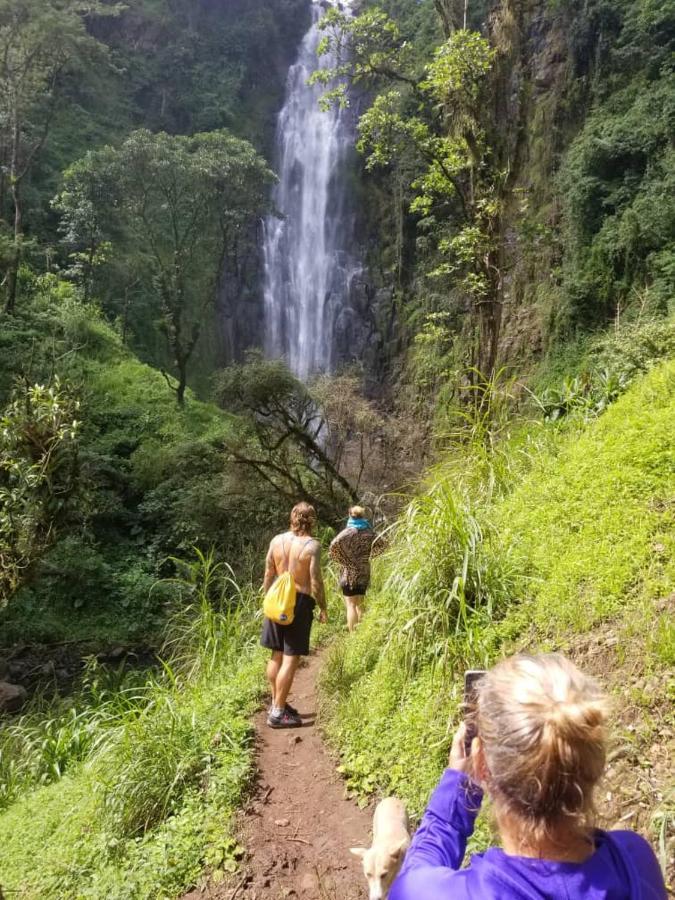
(352, 550)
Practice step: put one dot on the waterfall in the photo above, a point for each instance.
(308, 269)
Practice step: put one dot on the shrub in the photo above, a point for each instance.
(38, 469)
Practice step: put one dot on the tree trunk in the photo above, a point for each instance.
(490, 315)
(15, 259)
(451, 13)
(89, 273)
(182, 382)
(15, 188)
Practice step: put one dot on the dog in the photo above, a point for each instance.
(391, 839)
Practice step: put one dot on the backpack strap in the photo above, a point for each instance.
(299, 556)
(290, 564)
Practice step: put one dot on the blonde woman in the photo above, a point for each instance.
(539, 754)
(352, 549)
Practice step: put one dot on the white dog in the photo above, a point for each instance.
(391, 839)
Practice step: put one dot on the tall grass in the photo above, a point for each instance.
(441, 583)
(151, 773)
(54, 735)
(216, 619)
(146, 765)
(517, 544)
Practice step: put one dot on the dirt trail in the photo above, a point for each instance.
(298, 826)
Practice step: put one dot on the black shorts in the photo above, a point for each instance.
(354, 590)
(293, 639)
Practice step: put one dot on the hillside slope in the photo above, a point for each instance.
(563, 539)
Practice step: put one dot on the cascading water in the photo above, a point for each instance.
(308, 267)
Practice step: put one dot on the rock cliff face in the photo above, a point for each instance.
(535, 117)
(239, 319)
(541, 76)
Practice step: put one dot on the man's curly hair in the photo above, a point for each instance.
(303, 518)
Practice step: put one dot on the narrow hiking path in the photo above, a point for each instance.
(298, 825)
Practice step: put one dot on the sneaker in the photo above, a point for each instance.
(291, 709)
(287, 719)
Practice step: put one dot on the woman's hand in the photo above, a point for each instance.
(459, 760)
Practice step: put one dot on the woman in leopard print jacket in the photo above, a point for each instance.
(352, 549)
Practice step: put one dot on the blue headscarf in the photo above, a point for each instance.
(359, 524)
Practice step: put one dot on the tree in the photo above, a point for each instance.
(441, 114)
(41, 42)
(354, 433)
(38, 473)
(286, 441)
(175, 210)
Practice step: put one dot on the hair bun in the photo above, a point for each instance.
(578, 718)
(542, 724)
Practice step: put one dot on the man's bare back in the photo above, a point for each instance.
(301, 555)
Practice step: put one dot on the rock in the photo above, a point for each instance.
(12, 696)
(309, 884)
(16, 669)
(282, 823)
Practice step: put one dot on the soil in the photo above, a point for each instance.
(299, 824)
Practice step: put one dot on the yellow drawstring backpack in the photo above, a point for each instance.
(279, 603)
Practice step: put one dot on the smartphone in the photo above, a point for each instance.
(471, 679)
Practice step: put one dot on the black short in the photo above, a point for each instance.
(354, 590)
(293, 639)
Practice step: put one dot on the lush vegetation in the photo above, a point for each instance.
(619, 260)
(510, 197)
(79, 76)
(130, 786)
(101, 481)
(138, 483)
(172, 212)
(551, 535)
(517, 217)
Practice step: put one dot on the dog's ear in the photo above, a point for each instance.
(358, 851)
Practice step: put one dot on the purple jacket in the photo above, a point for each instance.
(623, 866)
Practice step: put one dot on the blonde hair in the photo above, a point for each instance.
(303, 518)
(357, 512)
(542, 726)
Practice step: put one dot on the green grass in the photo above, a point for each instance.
(576, 531)
(582, 527)
(146, 801)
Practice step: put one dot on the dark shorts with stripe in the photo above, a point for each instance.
(293, 639)
(354, 590)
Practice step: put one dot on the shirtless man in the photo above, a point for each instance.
(297, 552)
